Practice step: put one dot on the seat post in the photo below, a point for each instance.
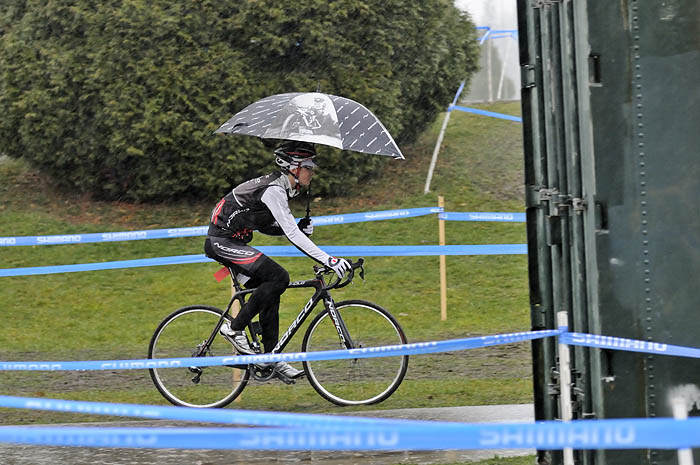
(235, 285)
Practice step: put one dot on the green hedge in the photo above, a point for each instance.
(119, 99)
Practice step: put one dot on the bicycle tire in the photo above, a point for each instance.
(362, 381)
(180, 335)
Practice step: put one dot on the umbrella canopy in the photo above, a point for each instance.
(316, 118)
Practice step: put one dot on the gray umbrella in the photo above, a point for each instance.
(317, 118)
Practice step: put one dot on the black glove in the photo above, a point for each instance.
(306, 225)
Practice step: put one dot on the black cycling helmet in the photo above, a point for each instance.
(293, 154)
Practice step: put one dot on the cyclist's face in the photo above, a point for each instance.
(305, 174)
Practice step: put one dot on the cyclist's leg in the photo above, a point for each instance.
(267, 302)
(270, 279)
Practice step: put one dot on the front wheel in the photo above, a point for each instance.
(192, 332)
(360, 381)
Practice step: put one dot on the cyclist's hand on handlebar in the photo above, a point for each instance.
(339, 265)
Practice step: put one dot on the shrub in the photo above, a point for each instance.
(120, 99)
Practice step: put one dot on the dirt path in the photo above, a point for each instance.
(510, 361)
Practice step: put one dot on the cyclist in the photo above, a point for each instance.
(262, 204)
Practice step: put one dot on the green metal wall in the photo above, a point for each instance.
(611, 110)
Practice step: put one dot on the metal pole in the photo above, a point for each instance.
(489, 46)
(435, 152)
(503, 72)
(565, 384)
(440, 136)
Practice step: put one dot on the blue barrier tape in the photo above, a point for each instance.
(483, 216)
(652, 433)
(206, 415)
(630, 345)
(485, 113)
(104, 237)
(283, 251)
(202, 230)
(374, 216)
(416, 348)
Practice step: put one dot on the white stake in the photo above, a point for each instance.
(565, 384)
(685, 456)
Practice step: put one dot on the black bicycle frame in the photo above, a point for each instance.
(320, 294)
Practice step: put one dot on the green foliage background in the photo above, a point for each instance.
(119, 99)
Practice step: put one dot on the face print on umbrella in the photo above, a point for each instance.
(307, 115)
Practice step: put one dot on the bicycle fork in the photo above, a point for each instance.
(338, 322)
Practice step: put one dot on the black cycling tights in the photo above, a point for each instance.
(271, 280)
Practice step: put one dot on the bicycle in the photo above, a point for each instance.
(193, 331)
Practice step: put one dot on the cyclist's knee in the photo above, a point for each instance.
(274, 276)
(281, 280)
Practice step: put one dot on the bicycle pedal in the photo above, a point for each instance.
(284, 379)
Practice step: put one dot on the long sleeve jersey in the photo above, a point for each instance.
(261, 204)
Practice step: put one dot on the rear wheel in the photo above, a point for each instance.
(184, 333)
(360, 381)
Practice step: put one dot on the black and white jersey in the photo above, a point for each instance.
(261, 204)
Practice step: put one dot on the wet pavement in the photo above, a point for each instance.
(14, 454)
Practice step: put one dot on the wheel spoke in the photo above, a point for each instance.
(361, 380)
(185, 334)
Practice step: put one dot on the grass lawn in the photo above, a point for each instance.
(112, 314)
